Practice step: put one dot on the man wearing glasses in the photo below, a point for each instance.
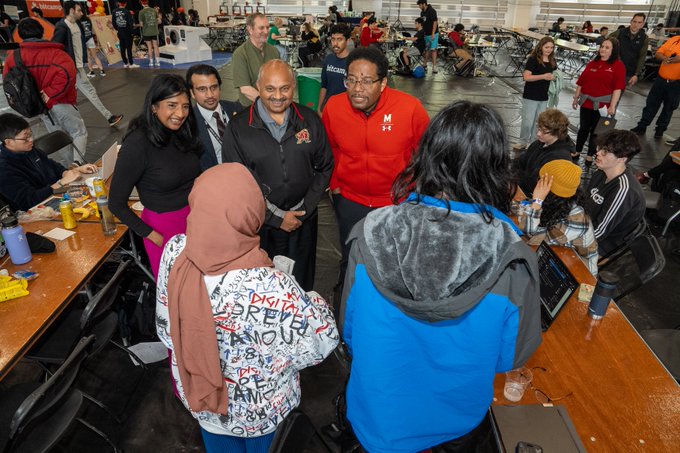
(284, 145)
(212, 114)
(372, 130)
(27, 175)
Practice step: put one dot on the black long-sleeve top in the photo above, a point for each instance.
(163, 177)
(25, 178)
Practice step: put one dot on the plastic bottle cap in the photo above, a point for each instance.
(10, 221)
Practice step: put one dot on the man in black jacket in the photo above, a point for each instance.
(69, 32)
(212, 114)
(633, 44)
(284, 144)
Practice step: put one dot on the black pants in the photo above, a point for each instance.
(347, 213)
(125, 47)
(300, 245)
(586, 130)
(662, 92)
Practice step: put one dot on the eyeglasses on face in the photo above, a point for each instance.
(27, 138)
(351, 82)
(204, 90)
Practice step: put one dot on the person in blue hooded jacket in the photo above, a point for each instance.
(441, 292)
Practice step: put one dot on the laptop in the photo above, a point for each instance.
(108, 164)
(557, 284)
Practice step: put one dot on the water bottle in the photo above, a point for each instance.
(108, 225)
(604, 290)
(15, 241)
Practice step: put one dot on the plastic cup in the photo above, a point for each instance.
(90, 186)
(516, 383)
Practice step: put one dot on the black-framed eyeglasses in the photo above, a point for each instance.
(351, 82)
(204, 89)
(28, 138)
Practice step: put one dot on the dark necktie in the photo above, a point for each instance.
(220, 124)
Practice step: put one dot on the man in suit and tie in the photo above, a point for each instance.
(212, 114)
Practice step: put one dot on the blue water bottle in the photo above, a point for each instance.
(604, 290)
(15, 240)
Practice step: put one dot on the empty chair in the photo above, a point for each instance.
(35, 416)
(653, 201)
(54, 141)
(641, 261)
(639, 230)
(295, 433)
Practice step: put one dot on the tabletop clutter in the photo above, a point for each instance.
(20, 245)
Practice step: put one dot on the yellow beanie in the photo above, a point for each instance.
(566, 177)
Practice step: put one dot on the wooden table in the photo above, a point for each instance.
(623, 399)
(62, 274)
(588, 36)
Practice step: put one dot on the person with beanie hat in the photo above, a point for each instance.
(556, 213)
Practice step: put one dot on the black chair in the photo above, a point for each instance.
(35, 416)
(54, 141)
(666, 345)
(295, 433)
(96, 318)
(642, 261)
(640, 229)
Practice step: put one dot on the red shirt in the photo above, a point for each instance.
(369, 152)
(368, 36)
(600, 78)
(455, 37)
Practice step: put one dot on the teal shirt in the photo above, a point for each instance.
(273, 31)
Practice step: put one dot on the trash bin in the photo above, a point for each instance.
(309, 86)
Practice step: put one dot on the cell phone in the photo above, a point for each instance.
(528, 447)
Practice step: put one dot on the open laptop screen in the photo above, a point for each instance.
(557, 283)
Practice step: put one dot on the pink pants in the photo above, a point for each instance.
(168, 224)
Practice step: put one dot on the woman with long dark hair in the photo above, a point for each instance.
(599, 86)
(160, 157)
(538, 72)
(437, 282)
(556, 214)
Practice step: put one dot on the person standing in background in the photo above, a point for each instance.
(91, 45)
(123, 22)
(633, 45)
(274, 36)
(148, 19)
(69, 32)
(334, 69)
(431, 27)
(537, 74)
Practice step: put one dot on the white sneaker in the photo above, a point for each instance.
(150, 62)
(158, 63)
(126, 65)
(133, 66)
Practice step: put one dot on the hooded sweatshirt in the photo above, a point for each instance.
(434, 306)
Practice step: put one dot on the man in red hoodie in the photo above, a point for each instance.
(55, 74)
(373, 130)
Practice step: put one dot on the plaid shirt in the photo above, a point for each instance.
(576, 231)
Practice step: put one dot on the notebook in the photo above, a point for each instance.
(557, 284)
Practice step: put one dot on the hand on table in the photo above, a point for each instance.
(87, 169)
(291, 222)
(542, 188)
(69, 176)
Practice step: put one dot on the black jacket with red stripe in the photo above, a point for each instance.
(298, 168)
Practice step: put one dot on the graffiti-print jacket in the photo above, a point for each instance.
(267, 329)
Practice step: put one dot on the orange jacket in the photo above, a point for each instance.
(369, 152)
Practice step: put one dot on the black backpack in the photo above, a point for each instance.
(21, 90)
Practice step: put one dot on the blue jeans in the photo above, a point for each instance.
(218, 443)
(662, 92)
(530, 111)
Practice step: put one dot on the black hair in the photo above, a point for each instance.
(643, 15)
(163, 87)
(604, 28)
(203, 69)
(420, 20)
(11, 125)
(462, 156)
(555, 209)
(37, 11)
(621, 143)
(340, 29)
(459, 27)
(372, 55)
(30, 28)
(615, 51)
(371, 20)
(560, 20)
(421, 2)
(70, 5)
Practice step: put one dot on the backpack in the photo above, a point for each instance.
(21, 90)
